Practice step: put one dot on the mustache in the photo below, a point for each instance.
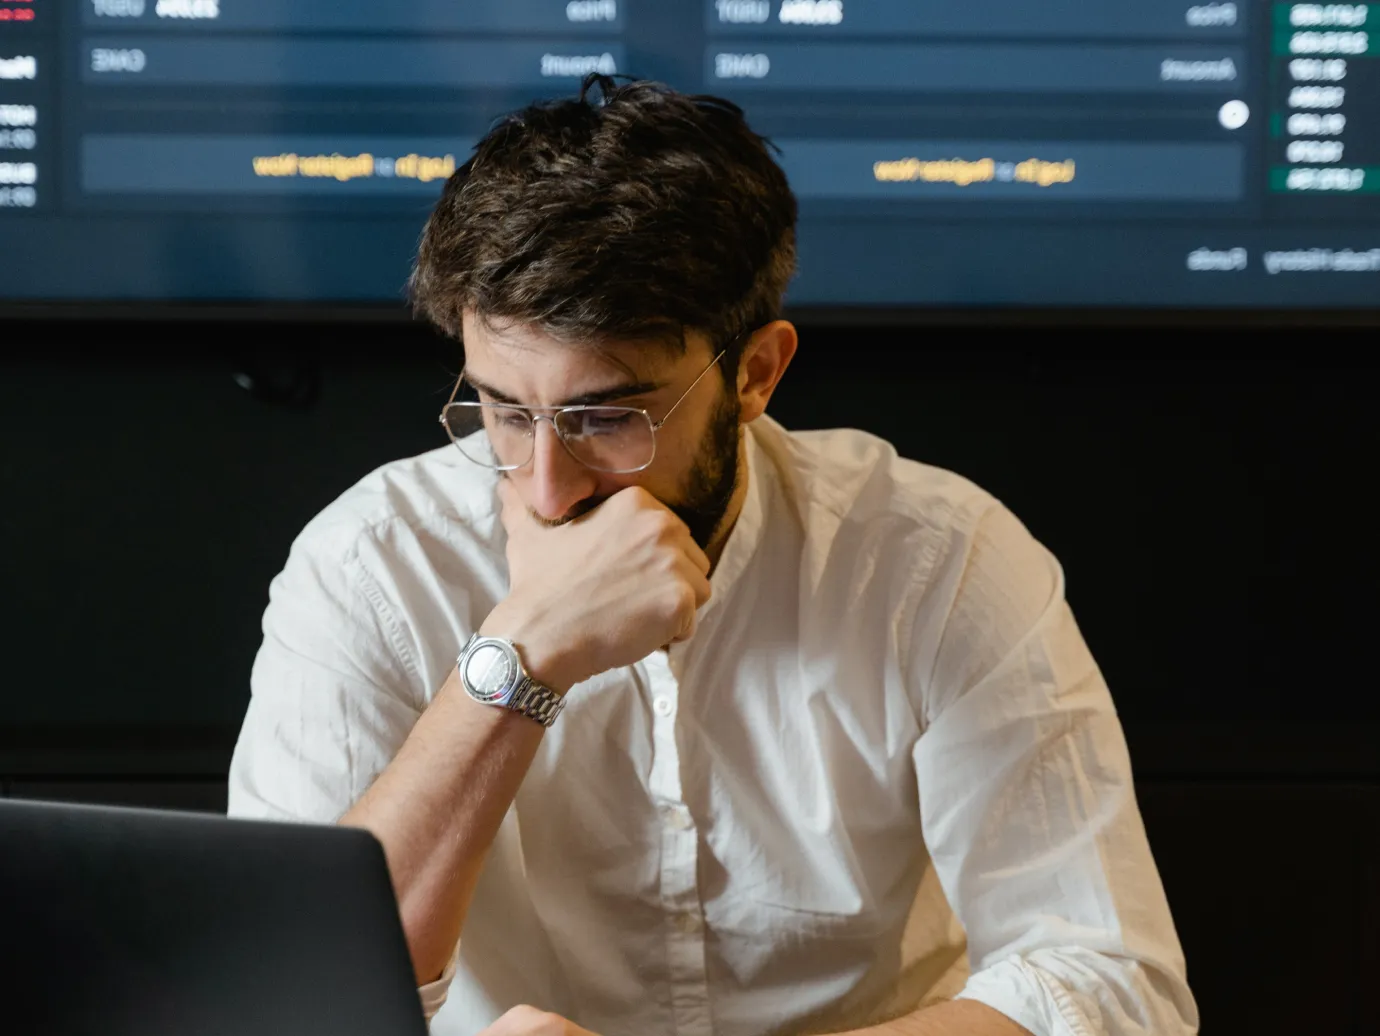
(578, 511)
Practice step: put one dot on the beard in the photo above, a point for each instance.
(713, 478)
(708, 486)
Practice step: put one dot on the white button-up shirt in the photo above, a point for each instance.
(884, 771)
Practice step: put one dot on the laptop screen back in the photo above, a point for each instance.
(127, 922)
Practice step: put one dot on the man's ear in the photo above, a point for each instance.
(766, 356)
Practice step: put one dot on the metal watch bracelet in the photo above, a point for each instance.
(537, 702)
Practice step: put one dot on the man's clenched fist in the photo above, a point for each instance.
(528, 1021)
(599, 592)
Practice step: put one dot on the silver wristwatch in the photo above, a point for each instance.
(491, 672)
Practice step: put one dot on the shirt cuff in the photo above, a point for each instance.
(433, 994)
(1028, 998)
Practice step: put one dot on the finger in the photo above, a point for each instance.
(637, 497)
(702, 589)
(698, 582)
(516, 1021)
(697, 590)
(512, 509)
(506, 491)
(687, 631)
(686, 541)
(680, 534)
(696, 554)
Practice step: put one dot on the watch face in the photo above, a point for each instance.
(488, 672)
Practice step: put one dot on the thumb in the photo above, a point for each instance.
(513, 512)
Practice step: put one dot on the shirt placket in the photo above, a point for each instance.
(683, 922)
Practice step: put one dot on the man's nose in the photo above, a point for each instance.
(557, 481)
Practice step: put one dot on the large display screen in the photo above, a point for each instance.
(946, 153)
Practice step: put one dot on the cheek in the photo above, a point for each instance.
(676, 453)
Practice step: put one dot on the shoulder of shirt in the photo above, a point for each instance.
(434, 493)
(858, 479)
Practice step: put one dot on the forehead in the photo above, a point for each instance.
(529, 364)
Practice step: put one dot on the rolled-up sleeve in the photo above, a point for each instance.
(1029, 810)
(333, 697)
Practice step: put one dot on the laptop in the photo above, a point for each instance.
(137, 922)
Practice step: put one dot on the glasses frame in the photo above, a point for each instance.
(550, 414)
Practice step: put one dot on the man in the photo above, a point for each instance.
(764, 728)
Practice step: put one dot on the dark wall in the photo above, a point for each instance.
(1204, 489)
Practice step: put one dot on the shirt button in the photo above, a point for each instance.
(662, 706)
(688, 922)
(678, 818)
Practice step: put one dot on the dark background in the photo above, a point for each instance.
(1203, 482)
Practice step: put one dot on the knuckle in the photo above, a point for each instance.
(665, 524)
(634, 498)
(651, 526)
(531, 1019)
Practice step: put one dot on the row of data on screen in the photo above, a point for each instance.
(494, 64)
(1107, 19)
(159, 165)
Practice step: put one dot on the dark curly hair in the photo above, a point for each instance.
(632, 212)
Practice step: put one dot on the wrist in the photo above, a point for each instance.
(543, 656)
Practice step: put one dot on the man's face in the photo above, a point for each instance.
(695, 469)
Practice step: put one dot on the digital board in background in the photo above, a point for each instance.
(983, 153)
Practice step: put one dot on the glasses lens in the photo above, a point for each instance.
(608, 438)
(491, 435)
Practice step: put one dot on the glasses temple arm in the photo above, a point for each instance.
(656, 425)
(453, 393)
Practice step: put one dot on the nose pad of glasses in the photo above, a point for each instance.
(550, 420)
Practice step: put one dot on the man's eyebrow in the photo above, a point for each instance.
(586, 399)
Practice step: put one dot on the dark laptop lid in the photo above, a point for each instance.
(132, 922)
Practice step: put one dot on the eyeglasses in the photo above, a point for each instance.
(613, 439)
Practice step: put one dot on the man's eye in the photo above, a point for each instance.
(603, 424)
